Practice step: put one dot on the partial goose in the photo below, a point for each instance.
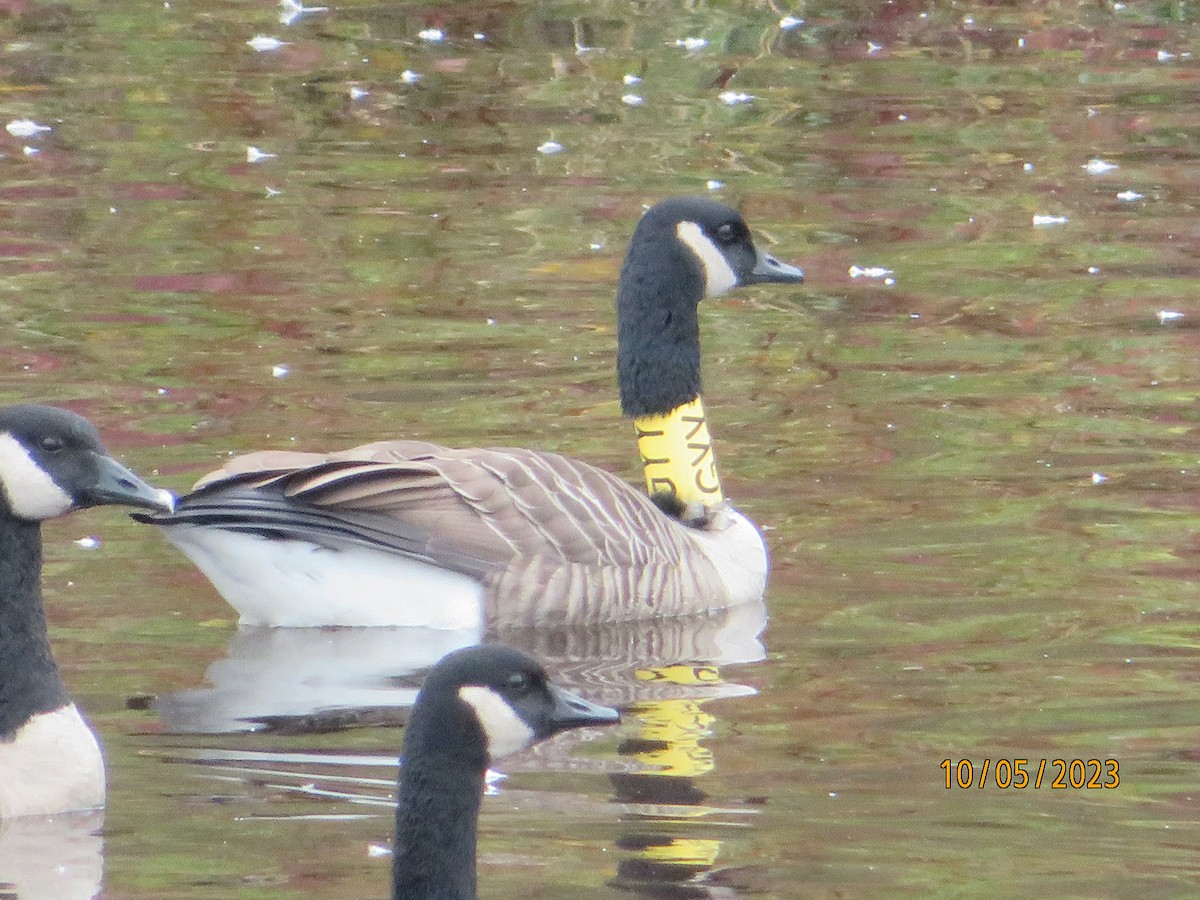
(51, 462)
(477, 704)
(511, 535)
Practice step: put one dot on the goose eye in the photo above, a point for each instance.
(726, 234)
(518, 682)
(51, 443)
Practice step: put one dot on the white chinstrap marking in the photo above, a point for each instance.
(718, 275)
(505, 730)
(31, 492)
(52, 764)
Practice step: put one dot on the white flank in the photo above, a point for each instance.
(299, 584)
(506, 732)
(32, 494)
(718, 276)
(52, 765)
(738, 553)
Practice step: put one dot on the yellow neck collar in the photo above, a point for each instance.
(677, 455)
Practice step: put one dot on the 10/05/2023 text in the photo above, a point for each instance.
(1021, 774)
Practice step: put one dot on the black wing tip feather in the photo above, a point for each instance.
(275, 517)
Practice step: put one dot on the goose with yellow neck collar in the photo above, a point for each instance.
(504, 535)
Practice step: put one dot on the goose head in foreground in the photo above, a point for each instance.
(477, 704)
(504, 535)
(51, 462)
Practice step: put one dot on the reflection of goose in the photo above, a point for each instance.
(308, 679)
(52, 857)
(615, 662)
(51, 463)
(477, 704)
(510, 534)
(300, 679)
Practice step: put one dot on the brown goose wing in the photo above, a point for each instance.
(551, 537)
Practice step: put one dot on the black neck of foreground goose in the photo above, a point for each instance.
(444, 764)
(29, 679)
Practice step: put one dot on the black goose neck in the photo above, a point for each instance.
(441, 787)
(658, 326)
(29, 679)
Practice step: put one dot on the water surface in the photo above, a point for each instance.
(971, 436)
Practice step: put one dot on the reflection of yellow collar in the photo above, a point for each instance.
(684, 852)
(677, 455)
(674, 728)
(681, 673)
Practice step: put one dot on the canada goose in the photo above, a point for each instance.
(509, 535)
(51, 462)
(477, 704)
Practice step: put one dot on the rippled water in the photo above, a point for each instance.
(971, 436)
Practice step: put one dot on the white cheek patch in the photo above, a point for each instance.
(31, 493)
(505, 731)
(718, 275)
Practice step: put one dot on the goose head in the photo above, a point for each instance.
(481, 703)
(683, 250)
(477, 704)
(52, 462)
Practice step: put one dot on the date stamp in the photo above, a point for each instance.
(1032, 774)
